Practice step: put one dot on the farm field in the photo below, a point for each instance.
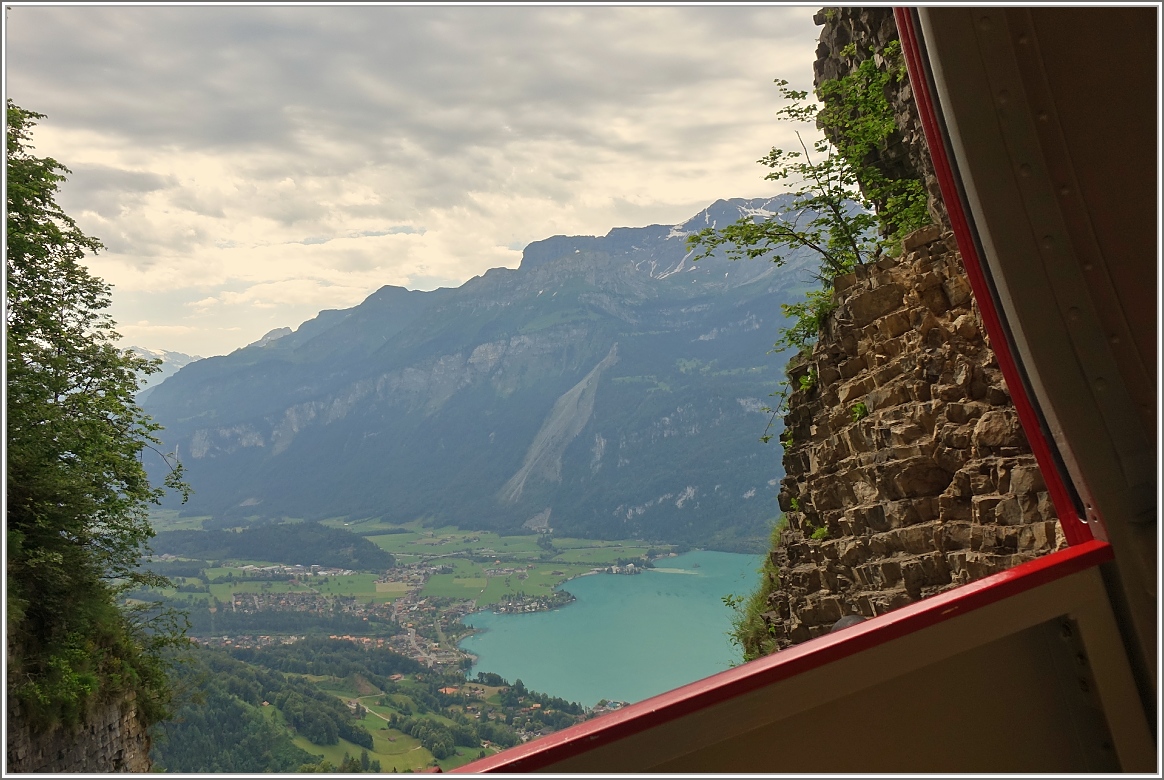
(168, 520)
(447, 541)
(453, 547)
(537, 565)
(224, 591)
(360, 586)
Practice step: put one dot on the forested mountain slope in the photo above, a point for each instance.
(609, 380)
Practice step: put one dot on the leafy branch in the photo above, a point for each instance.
(844, 208)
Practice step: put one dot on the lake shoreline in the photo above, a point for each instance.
(609, 644)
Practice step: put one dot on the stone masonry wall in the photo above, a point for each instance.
(113, 740)
(905, 447)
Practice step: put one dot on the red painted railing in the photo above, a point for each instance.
(548, 750)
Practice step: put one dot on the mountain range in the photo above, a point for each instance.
(608, 387)
(171, 363)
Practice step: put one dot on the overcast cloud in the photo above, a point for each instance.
(248, 166)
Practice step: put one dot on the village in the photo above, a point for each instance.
(414, 608)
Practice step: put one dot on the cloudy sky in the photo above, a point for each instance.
(248, 166)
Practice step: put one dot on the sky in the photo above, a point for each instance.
(248, 166)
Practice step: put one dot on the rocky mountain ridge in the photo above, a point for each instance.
(172, 363)
(610, 380)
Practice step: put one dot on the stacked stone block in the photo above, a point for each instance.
(903, 445)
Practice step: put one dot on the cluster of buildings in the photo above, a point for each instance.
(306, 602)
(413, 575)
(246, 641)
(608, 706)
(630, 568)
(366, 642)
(431, 654)
(296, 570)
(524, 603)
(508, 571)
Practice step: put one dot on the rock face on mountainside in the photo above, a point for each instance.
(906, 451)
(111, 740)
(907, 472)
(609, 384)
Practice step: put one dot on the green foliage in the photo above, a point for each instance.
(492, 679)
(331, 657)
(77, 495)
(842, 201)
(519, 694)
(546, 543)
(225, 729)
(808, 381)
(749, 630)
(227, 622)
(806, 316)
(820, 534)
(436, 737)
(832, 219)
(306, 685)
(349, 765)
(858, 116)
(859, 411)
(290, 543)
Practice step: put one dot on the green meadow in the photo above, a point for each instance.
(468, 553)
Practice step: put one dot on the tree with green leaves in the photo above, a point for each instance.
(846, 210)
(77, 494)
(831, 217)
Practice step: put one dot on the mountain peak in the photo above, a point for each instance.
(621, 240)
(273, 335)
(724, 212)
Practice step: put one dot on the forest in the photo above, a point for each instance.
(251, 710)
(290, 543)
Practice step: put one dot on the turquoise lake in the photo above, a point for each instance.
(625, 638)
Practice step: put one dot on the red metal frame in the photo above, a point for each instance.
(541, 753)
(1074, 529)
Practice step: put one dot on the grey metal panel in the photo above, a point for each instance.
(999, 689)
(1066, 228)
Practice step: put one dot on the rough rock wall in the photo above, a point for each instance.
(903, 155)
(907, 470)
(113, 740)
